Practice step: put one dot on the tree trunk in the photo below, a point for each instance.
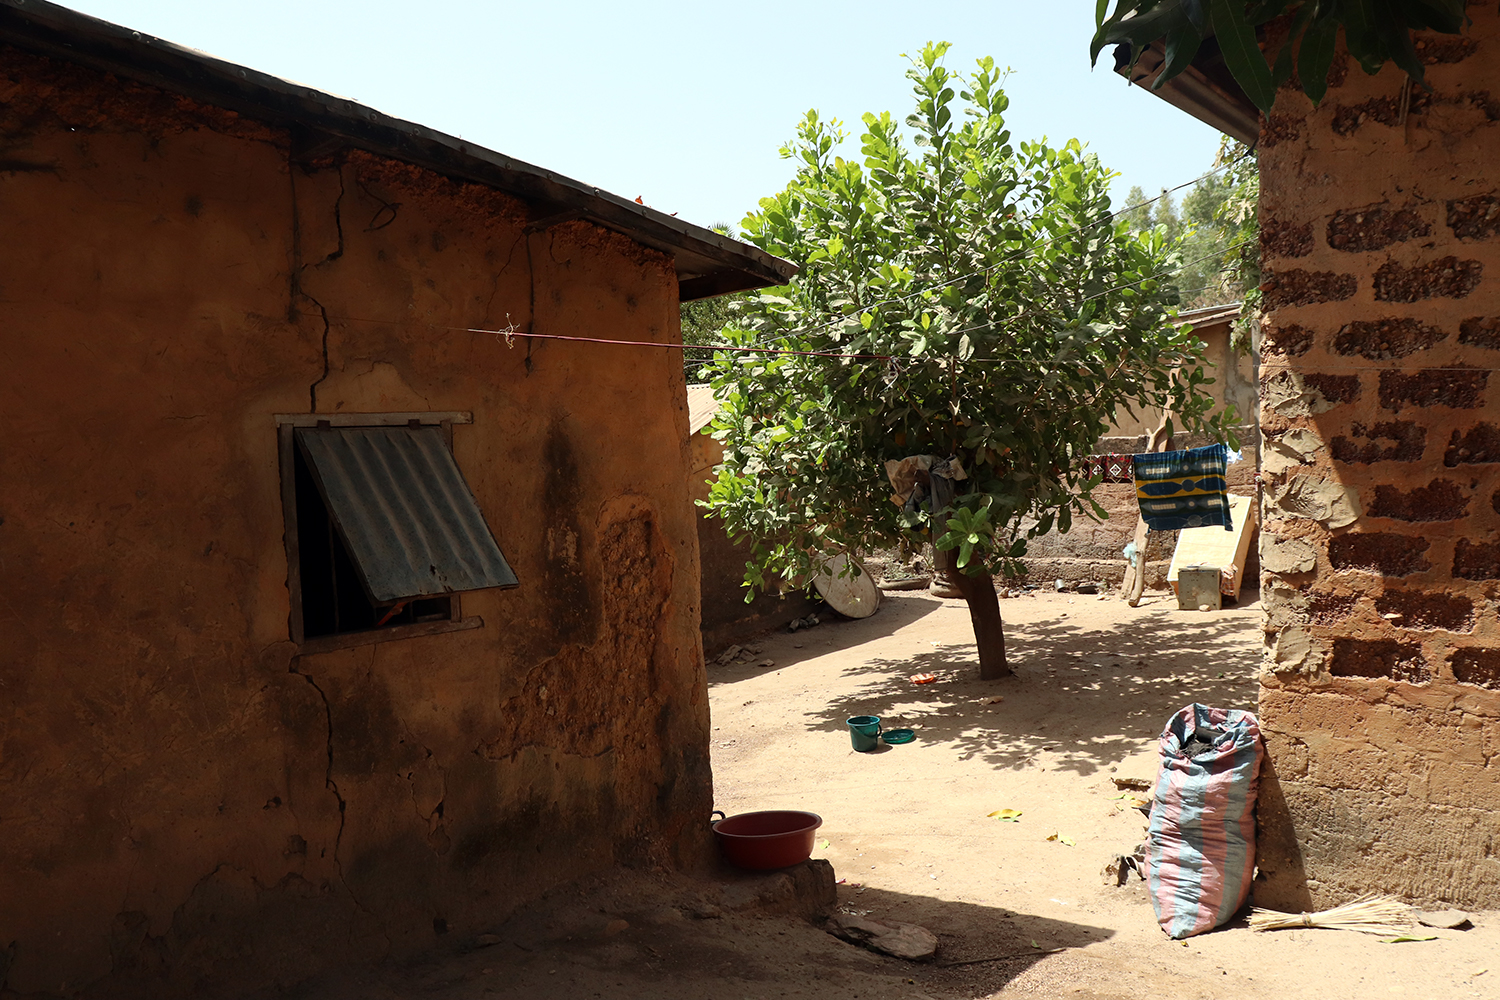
(984, 612)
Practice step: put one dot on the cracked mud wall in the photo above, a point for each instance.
(1380, 697)
(192, 806)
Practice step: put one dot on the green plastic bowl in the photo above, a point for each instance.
(894, 736)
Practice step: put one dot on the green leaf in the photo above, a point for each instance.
(1182, 45)
(1315, 57)
(1242, 53)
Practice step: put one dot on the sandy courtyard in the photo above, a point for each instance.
(907, 830)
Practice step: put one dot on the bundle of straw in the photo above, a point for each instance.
(1369, 913)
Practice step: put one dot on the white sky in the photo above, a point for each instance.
(683, 104)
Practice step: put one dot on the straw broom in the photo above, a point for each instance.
(1370, 914)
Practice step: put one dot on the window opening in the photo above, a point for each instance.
(383, 533)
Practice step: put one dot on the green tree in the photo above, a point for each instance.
(1218, 234)
(997, 313)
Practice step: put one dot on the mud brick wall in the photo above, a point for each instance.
(1380, 551)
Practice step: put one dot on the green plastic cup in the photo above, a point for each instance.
(864, 732)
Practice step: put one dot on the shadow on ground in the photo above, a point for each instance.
(982, 947)
(835, 632)
(1081, 695)
(633, 936)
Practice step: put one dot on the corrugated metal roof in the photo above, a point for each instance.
(404, 511)
(1209, 314)
(701, 407)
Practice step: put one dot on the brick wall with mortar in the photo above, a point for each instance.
(1380, 550)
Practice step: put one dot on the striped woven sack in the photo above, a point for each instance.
(1200, 852)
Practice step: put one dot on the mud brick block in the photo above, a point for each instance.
(1358, 230)
(1292, 339)
(1480, 667)
(1439, 500)
(1382, 339)
(1400, 661)
(1476, 560)
(1330, 609)
(1278, 129)
(1382, 552)
(1299, 288)
(1462, 390)
(1286, 239)
(1474, 218)
(1448, 277)
(1348, 118)
(1479, 444)
(1480, 331)
(1334, 388)
(1425, 610)
(1435, 49)
(1409, 442)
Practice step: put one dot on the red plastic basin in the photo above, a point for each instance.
(773, 838)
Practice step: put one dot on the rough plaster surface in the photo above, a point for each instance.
(189, 801)
(1381, 566)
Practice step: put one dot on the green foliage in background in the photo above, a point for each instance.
(1218, 228)
(1017, 314)
(1375, 31)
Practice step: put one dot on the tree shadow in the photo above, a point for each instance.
(833, 633)
(1085, 696)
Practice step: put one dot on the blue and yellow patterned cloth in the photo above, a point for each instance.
(1183, 489)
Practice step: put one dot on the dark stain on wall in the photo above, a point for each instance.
(1474, 218)
(1280, 128)
(1476, 560)
(1334, 388)
(1439, 500)
(1375, 228)
(1387, 658)
(1447, 277)
(1299, 288)
(1480, 331)
(1478, 445)
(1286, 239)
(1460, 389)
(1383, 339)
(1409, 439)
(1382, 552)
(1427, 610)
(1480, 667)
(1292, 339)
(1330, 609)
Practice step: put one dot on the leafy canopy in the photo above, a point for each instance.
(1375, 31)
(1002, 312)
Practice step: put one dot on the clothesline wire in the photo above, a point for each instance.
(509, 333)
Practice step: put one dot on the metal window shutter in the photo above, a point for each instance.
(404, 511)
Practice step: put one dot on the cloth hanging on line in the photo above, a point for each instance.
(1109, 468)
(1183, 489)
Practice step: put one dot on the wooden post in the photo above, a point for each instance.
(1135, 573)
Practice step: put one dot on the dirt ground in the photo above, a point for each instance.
(907, 831)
